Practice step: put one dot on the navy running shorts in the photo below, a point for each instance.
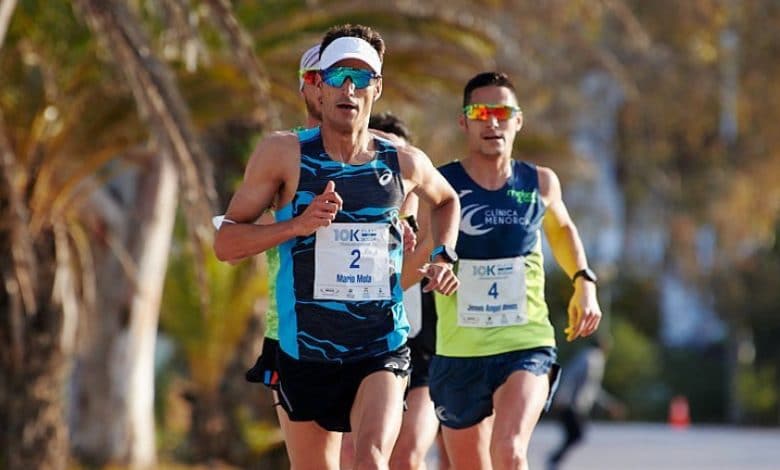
(462, 388)
(421, 361)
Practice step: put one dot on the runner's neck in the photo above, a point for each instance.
(491, 174)
(353, 148)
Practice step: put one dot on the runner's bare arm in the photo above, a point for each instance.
(409, 209)
(558, 226)
(416, 258)
(584, 311)
(421, 177)
(271, 171)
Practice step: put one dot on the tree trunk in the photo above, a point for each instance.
(114, 379)
(6, 12)
(127, 342)
(34, 332)
(35, 434)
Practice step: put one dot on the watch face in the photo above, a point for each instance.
(589, 274)
(450, 254)
(446, 252)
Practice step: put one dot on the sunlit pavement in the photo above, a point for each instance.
(619, 446)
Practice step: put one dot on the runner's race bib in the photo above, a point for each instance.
(352, 262)
(492, 292)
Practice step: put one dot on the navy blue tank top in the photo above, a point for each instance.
(497, 224)
(339, 331)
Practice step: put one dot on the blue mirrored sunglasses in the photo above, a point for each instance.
(335, 76)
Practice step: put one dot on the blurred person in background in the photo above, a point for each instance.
(308, 70)
(580, 389)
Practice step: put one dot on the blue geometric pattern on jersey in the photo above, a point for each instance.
(334, 330)
(497, 224)
(305, 134)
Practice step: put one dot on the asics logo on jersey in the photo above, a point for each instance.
(385, 177)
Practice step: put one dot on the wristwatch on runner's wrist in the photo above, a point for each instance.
(412, 221)
(587, 273)
(446, 252)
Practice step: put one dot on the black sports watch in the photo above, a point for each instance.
(412, 221)
(446, 252)
(587, 273)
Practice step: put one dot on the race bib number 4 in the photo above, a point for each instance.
(352, 262)
(492, 292)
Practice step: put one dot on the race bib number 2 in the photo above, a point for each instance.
(492, 292)
(352, 262)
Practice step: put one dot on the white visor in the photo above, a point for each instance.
(310, 60)
(351, 48)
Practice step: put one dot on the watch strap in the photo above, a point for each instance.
(586, 273)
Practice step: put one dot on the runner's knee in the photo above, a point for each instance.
(370, 458)
(407, 458)
(508, 453)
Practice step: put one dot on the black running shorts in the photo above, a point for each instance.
(324, 392)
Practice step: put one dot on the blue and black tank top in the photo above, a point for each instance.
(343, 330)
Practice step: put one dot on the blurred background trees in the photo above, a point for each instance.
(125, 124)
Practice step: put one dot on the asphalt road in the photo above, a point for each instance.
(632, 446)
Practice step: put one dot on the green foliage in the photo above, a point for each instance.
(261, 436)
(207, 338)
(637, 301)
(216, 93)
(749, 297)
(634, 368)
(758, 393)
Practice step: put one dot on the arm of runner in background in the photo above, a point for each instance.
(421, 177)
(584, 312)
(408, 212)
(417, 258)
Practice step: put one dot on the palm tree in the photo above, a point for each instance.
(49, 154)
(64, 219)
(207, 341)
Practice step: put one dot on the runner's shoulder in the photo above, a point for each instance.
(275, 145)
(549, 185)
